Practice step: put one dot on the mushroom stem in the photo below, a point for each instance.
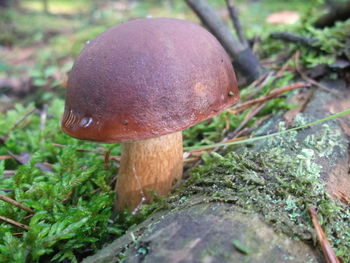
(146, 166)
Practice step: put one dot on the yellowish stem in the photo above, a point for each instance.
(146, 166)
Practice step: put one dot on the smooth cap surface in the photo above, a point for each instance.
(146, 78)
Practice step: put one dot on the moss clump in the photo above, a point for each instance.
(69, 190)
(278, 181)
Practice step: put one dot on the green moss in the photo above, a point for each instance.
(68, 190)
(279, 181)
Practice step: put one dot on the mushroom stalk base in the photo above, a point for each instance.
(147, 166)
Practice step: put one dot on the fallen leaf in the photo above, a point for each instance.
(283, 18)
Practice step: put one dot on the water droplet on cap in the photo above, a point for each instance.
(85, 122)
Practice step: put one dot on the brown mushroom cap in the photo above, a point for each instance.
(146, 78)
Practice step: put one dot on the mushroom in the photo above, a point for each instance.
(141, 83)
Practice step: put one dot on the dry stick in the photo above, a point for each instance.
(200, 151)
(105, 153)
(250, 115)
(227, 124)
(296, 39)
(14, 223)
(79, 150)
(19, 121)
(256, 124)
(246, 130)
(262, 78)
(9, 173)
(276, 67)
(243, 57)
(280, 71)
(15, 203)
(67, 196)
(285, 67)
(210, 19)
(235, 21)
(275, 93)
(343, 197)
(310, 80)
(260, 86)
(274, 75)
(302, 102)
(326, 247)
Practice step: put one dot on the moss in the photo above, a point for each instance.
(68, 190)
(279, 181)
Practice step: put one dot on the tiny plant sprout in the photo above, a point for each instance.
(141, 83)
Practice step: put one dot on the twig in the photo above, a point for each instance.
(199, 152)
(79, 149)
(310, 80)
(274, 75)
(260, 86)
(284, 67)
(262, 78)
(6, 190)
(250, 115)
(241, 107)
(191, 159)
(14, 223)
(67, 196)
(210, 19)
(326, 247)
(9, 173)
(343, 197)
(5, 157)
(235, 21)
(4, 137)
(23, 158)
(248, 130)
(303, 100)
(19, 121)
(15, 203)
(292, 38)
(245, 61)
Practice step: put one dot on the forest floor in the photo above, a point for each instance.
(57, 177)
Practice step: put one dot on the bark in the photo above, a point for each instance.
(337, 12)
(245, 62)
(197, 231)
